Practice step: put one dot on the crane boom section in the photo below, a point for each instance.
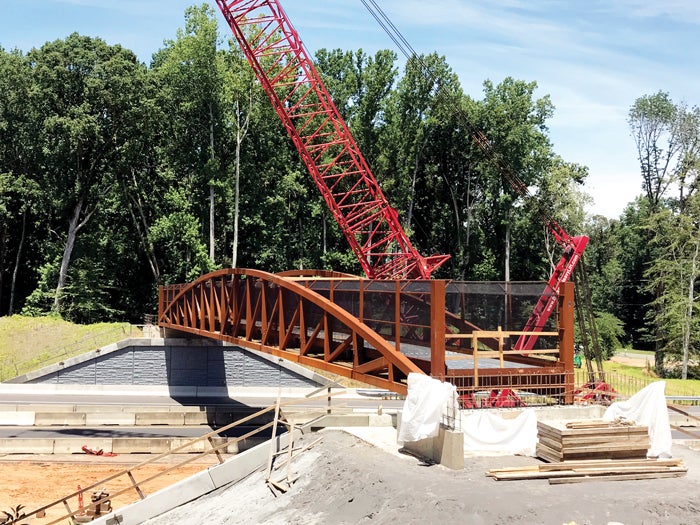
(322, 138)
(573, 251)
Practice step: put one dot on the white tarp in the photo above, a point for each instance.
(487, 432)
(423, 408)
(647, 407)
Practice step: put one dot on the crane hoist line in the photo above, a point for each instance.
(287, 74)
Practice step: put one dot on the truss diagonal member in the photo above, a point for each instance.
(260, 302)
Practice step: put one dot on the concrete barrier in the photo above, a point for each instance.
(141, 445)
(26, 446)
(17, 418)
(75, 445)
(447, 448)
(65, 419)
(160, 418)
(110, 419)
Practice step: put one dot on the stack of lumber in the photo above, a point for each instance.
(594, 439)
(594, 470)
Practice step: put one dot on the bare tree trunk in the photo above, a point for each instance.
(141, 224)
(506, 254)
(3, 242)
(211, 186)
(241, 130)
(236, 199)
(506, 271)
(17, 261)
(211, 222)
(689, 317)
(325, 233)
(414, 176)
(73, 227)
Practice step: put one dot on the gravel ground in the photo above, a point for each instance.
(345, 480)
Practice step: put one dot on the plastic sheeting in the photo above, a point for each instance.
(647, 407)
(487, 432)
(425, 403)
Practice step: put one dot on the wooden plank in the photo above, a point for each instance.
(619, 477)
(596, 463)
(580, 444)
(611, 431)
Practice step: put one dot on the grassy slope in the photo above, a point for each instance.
(674, 387)
(28, 343)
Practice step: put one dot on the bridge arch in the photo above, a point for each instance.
(277, 314)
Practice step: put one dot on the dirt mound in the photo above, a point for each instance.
(344, 480)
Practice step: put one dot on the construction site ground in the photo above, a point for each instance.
(346, 480)
(362, 478)
(36, 480)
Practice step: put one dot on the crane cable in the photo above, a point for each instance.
(477, 135)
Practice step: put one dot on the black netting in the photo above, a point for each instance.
(490, 305)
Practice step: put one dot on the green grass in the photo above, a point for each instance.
(29, 343)
(628, 380)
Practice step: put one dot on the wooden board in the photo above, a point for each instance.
(593, 470)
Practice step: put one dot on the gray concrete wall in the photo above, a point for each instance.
(175, 362)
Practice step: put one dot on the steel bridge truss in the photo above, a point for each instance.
(374, 331)
(277, 315)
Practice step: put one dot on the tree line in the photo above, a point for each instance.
(117, 176)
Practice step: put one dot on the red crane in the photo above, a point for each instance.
(287, 74)
(324, 142)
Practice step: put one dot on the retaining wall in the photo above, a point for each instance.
(175, 363)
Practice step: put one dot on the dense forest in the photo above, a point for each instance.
(117, 176)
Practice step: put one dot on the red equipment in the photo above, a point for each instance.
(573, 250)
(371, 226)
(323, 140)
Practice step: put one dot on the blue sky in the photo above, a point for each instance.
(594, 58)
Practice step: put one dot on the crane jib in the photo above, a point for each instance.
(324, 142)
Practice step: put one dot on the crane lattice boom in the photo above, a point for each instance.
(323, 140)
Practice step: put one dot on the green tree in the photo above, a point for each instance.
(190, 73)
(675, 273)
(515, 124)
(667, 136)
(85, 101)
(668, 146)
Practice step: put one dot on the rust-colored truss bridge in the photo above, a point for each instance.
(379, 331)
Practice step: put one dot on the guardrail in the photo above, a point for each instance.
(501, 336)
